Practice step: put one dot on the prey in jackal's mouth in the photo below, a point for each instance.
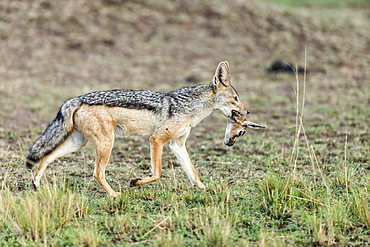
(99, 117)
(236, 127)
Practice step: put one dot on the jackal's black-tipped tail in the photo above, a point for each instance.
(55, 134)
(29, 163)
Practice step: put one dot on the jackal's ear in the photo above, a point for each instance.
(222, 74)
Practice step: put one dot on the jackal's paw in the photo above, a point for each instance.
(134, 183)
(115, 194)
(200, 185)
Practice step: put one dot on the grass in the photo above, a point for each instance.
(314, 207)
(302, 181)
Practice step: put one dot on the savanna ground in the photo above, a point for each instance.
(304, 180)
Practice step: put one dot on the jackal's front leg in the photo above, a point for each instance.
(178, 148)
(156, 150)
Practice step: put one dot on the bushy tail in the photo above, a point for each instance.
(55, 134)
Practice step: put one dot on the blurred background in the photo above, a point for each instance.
(54, 50)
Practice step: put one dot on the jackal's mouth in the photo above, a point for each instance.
(235, 113)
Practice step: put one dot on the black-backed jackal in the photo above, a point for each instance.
(166, 117)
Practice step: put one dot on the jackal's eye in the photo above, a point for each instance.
(236, 98)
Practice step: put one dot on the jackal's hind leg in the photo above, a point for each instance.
(156, 150)
(103, 152)
(74, 142)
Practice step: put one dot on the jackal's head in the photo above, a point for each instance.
(227, 99)
(236, 126)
